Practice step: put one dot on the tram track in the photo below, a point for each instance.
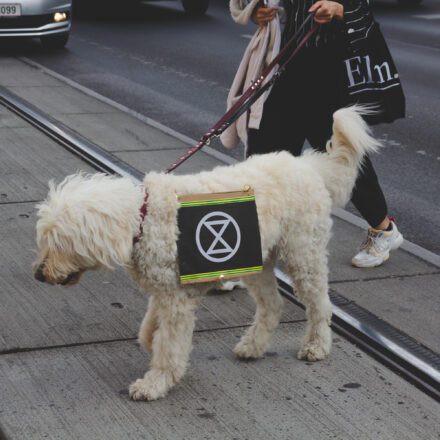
(393, 348)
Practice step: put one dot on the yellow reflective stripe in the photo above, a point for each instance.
(221, 272)
(217, 202)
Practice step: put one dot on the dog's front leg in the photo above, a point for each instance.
(149, 326)
(263, 288)
(171, 346)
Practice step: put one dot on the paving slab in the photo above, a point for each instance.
(13, 74)
(81, 393)
(402, 303)
(60, 99)
(119, 132)
(29, 159)
(159, 160)
(9, 120)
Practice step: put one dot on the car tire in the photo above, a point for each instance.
(57, 41)
(195, 7)
(409, 2)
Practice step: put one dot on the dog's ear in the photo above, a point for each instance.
(91, 217)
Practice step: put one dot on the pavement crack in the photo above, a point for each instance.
(20, 202)
(16, 350)
(233, 327)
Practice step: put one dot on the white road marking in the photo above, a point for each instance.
(394, 143)
(418, 46)
(428, 16)
(247, 36)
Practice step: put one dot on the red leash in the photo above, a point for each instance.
(242, 105)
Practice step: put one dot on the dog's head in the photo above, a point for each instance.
(85, 223)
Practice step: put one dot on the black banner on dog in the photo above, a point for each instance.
(219, 236)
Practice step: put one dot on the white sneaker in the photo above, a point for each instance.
(377, 246)
(229, 285)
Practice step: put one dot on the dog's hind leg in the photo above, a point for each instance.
(263, 288)
(309, 274)
(149, 326)
(171, 346)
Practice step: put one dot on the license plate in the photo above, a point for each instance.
(10, 9)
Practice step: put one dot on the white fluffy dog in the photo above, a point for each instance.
(88, 222)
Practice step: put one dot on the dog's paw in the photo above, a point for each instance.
(153, 386)
(313, 352)
(247, 349)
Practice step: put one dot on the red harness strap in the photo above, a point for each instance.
(143, 213)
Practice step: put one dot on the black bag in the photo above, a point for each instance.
(370, 73)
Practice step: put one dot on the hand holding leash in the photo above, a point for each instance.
(326, 10)
(264, 15)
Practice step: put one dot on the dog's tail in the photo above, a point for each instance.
(350, 141)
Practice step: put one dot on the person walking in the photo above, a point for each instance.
(301, 103)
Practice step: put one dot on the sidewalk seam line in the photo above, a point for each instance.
(19, 202)
(109, 341)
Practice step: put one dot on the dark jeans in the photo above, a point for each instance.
(299, 107)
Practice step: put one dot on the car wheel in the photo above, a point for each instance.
(410, 2)
(195, 7)
(57, 41)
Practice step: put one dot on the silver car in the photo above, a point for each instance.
(48, 19)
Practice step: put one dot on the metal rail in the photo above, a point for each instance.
(393, 348)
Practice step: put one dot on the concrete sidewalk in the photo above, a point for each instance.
(66, 358)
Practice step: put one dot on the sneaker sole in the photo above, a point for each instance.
(378, 263)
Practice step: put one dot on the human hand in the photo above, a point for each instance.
(326, 10)
(262, 16)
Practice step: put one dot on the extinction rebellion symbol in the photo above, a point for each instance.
(219, 246)
(219, 237)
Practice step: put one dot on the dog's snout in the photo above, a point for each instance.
(39, 275)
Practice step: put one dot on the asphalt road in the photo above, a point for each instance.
(177, 70)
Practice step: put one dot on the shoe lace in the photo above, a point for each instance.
(370, 241)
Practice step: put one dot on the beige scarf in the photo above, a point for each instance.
(262, 49)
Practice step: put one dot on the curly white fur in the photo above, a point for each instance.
(88, 222)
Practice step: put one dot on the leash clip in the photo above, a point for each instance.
(211, 136)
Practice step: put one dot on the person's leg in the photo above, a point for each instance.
(368, 197)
